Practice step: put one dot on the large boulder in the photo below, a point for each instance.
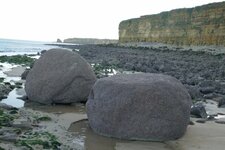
(59, 76)
(150, 107)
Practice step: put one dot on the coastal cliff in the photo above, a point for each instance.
(203, 25)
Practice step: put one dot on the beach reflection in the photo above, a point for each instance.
(85, 137)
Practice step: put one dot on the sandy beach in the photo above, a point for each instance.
(207, 136)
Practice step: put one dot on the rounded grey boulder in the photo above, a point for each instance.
(150, 107)
(59, 76)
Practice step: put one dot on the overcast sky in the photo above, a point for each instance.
(47, 20)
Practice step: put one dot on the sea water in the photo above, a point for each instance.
(13, 47)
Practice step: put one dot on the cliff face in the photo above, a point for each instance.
(203, 25)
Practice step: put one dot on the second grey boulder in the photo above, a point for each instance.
(151, 107)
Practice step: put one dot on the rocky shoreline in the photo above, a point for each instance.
(202, 72)
(26, 128)
(199, 67)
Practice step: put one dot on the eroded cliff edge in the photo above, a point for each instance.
(203, 25)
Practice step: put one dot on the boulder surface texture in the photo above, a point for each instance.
(59, 76)
(151, 107)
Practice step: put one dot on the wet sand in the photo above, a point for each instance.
(70, 125)
(72, 130)
(199, 136)
(208, 136)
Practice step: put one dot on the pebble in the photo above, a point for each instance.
(220, 121)
(198, 110)
(201, 121)
(191, 123)
(211, 118)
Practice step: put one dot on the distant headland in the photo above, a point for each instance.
(87, 41)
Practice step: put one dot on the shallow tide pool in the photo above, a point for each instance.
(13, 100)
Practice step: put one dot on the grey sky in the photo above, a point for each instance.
(47, 20)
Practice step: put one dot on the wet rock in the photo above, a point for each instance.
(187, 66)
(207, 90)
(59, 76)
(198, 110)
(210, 96)
(24, 74)
(1, 79)
(139, 106)
(220, 114)
(23, 125)
(9, 137)
(221, 88)
(20, 92)
(43, 51)
(217, 97)
(192, 81)
(165, 68)
(211, 118)
(15, 72)
(4, 91)
(191, 123)
(5, 106)
(220, 121)
(201, 121)
(194, 92)
(18, 84)
(7, 83)
(32, 64)
(221, 102)
(5, 130)
(208, 83)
